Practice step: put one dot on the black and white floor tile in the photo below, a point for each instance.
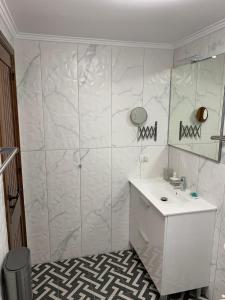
(113, 276)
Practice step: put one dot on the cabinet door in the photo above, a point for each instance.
(188, 251)
(147, 234)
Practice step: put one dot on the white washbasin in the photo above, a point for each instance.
(179, 202)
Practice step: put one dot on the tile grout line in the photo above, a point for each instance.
(168, 123)
(94, 148)
(78, 108)
(111, 152)
(117, 147)
(142, 101)
(45, 156)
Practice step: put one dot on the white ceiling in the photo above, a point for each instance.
(155, 21)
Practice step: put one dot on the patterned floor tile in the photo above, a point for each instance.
(112, 276)
(69, 279)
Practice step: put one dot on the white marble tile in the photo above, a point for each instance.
(157, 160)
(96, 200)
(29, 92)
(209, 150)
(221, 246)
(210, 288)
(223, 148)
(179, 56)
(94, 71)
(156, 95)
(211, 187)
(127, 93)
(197, 48)
(174, 159)
(63, 185)
(219, 287)
(216, 42)
(36, 205)
(60, 95)
(188, 167)
(38, 243)
(125, 163)
(223, 155)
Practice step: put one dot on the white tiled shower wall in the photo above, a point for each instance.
(78, 144)
(205, 176)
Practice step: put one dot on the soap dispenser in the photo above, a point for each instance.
(174, 180)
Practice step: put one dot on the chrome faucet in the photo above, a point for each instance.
(181, 184)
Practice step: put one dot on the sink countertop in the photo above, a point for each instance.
(179, 202)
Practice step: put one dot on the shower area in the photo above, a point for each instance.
(78, 150)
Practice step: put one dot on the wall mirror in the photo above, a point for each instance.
(197, 107)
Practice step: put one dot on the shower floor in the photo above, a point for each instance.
(113, 276)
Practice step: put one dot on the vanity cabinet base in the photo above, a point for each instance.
(176, 250)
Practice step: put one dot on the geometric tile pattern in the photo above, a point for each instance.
(114, 276)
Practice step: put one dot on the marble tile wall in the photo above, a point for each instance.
(205, 176)
(63, 189)
(94, 72)
(127, 93)
(78, 144)
(60, 95)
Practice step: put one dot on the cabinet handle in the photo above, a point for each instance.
(143, 236)
(146, 202)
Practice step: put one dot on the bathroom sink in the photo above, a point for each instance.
(160, 189)
(178, 202)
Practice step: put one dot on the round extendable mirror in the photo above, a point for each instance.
(202, 114)
(138, 116)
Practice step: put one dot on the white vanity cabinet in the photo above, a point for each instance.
(175, 248)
